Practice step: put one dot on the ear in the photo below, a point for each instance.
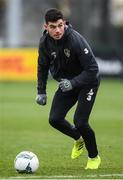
(45, 26)
(64, 22)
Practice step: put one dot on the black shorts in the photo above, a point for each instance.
(64, 101)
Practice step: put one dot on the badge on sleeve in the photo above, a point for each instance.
(86, 51)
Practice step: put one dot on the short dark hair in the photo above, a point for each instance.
(52, 15)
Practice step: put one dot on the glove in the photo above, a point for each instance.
(65, 85)
(41, 99)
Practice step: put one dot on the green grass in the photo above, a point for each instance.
(24, 126)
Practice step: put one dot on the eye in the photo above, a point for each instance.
(60, 25)
(52, 27)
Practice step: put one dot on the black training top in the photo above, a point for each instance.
(70, 58)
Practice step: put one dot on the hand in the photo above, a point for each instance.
(41, 99)
(65, 85)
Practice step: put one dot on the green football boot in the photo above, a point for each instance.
(77, 148)
(93, 163)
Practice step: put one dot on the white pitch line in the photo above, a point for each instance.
(120, 175)
(104, 175)
(41, 177)
(64, 177)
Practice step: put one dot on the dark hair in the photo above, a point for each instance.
(53, 15)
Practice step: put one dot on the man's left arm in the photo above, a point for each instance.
(89, 66)
(88, 63)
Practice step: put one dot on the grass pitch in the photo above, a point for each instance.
(24, 126)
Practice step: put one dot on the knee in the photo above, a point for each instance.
(81, 123)
(53, 121)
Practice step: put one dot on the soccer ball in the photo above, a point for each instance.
(26, 162)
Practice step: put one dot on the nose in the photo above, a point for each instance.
(57, 30)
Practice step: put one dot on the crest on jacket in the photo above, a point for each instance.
(53, 54)
(67, 52)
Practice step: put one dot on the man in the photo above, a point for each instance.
(71, 62)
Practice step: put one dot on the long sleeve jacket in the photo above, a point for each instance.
(70, 58)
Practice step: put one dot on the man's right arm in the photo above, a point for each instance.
(42, 76)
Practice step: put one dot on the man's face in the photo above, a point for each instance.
(55, 29)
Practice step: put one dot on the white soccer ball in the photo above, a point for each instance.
(26, 162)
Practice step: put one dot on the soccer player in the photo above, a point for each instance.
(71, 62)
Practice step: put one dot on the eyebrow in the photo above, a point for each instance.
(52, 25)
